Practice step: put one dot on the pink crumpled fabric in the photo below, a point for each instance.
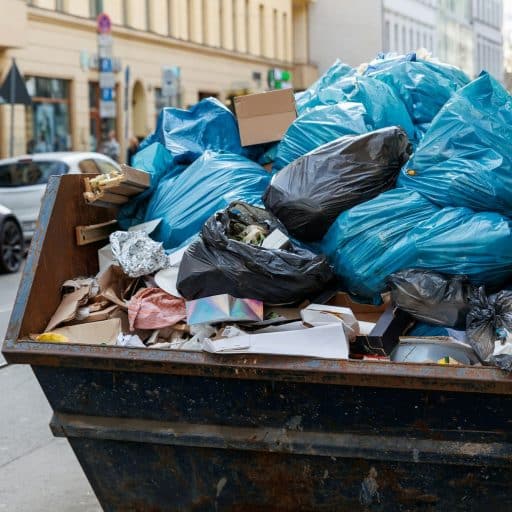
(152, 308)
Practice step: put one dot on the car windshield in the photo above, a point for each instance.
(24, 173)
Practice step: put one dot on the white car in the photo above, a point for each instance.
(23, 180)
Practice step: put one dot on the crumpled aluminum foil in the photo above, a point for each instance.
(138, 254)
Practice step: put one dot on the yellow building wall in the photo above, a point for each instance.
(55, 45)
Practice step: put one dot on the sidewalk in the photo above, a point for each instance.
(38, 473)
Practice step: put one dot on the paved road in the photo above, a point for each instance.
(38, 473)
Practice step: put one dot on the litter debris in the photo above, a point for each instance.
(116, 187)
(489, 323)
(218, 263)
(137, 254)
(152, 308)
(223, 308)
(312, 191)
(432, 297)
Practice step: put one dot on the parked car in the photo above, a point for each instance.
(23, 180)
(12, 245)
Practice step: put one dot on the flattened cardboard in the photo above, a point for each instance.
(66, 312)
(264, 117)
(94, 333)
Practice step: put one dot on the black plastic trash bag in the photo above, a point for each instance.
(309, 193)
(489, 320)
(219, 262)
(431, 297)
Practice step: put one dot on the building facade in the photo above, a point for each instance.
(221, 48)
(465, 33)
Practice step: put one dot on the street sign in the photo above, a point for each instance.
(107, 109)
(107, 80)
(106, 67)
(170, 81)
(103, 24)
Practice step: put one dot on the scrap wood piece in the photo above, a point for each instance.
(116, 187)
(95, 232)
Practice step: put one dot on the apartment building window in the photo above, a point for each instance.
(125, 14)
(147, 9)
(275, 30)
(404, 42)
(221, 25)
(386, 36)
(235, 24)
(286, 44)
(47, 119)
(411, 39)
(95, 7)
(169, 18)
(190, 15)
(204, 22)
(262, 29)
(396, 37)
(59, 5)
(247, 27)
(418, 39)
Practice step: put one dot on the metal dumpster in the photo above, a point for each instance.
(159, 430)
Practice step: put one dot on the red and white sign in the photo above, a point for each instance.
(103, 23)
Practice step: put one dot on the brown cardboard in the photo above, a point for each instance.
(363, 312)
(96, 333)
(264, 117)
(68, 307)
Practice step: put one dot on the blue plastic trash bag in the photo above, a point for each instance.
(188, 133)
(465, 159)
(423, 329)
(369, 242)
(460, 241)
(210, 184)
(383, 107)
(308, 99)
(158, 162)
(424, 86)
(321, 125)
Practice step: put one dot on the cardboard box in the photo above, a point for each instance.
(390, 323)
(264, 117)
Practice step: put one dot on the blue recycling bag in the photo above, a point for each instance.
(369, 242)
(465, 158)
(352, 105)
(424, 86)
(308, 99)
(188, 133)
(211, 183)
(318, 126)
(460, 241)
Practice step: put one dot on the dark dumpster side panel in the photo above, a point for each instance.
(252, 403)
(151, 477)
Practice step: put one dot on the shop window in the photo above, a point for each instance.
(201, 95)
(47, 119)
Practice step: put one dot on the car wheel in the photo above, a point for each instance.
(11, 246)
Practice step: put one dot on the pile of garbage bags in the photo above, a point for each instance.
(394, 177)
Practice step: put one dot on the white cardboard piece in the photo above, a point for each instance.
(323, 342)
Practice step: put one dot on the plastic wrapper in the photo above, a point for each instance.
(137, 254)
(465, 159)
(489, 320)
(219, 263)
(369, 242)
(308, 194)
(424, 86)
(152, 308)
(210, 184)
(432, 297)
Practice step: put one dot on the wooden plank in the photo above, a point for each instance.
(95, 232)
(136, 176)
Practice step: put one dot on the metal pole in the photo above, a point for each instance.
(13, 99)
